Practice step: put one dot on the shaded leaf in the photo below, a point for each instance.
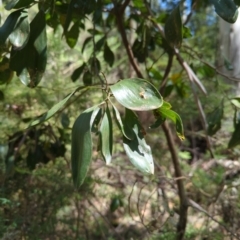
(87, 40)
(72, 35)
(235, 139)
(226, 9)
(173, 29)
(18, 4)
(1, 95)
(108, 55)
(81, 153)
(138, 151)
(186, 32)
(137, 94)
(106, 140)
(100, 43)
(6, 74)
(118, 118)
(65, 121)
(95, 65)
(87, 78)
(30, 62)
(214, 120)
(77, 72)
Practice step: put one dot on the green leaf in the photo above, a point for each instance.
(30, 61)
(214, 120)
(235, 139)
(72, 35)
(228, 65)
(77, 72)
(87, 78)
(166, 112)
(6, 74)
(1, 95)
(106, 139)
(8, 27)
(108, 55)
(118, 118)
(52, 111)
(65, 121)
(100, 43)
(95, 65)
(186, 32)
(226, 9)
(20, 35)
(87, 40)
(137, 94)
(236, 102)
(137, 150)
(81, 153)
(18, 4)
(173, 29)
(237, 2)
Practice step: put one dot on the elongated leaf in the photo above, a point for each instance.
(138, 151)
(235, 139)
(166, 112)
(20, 35)
(72, 35)
(51, 111)
(226, 9)
(106, 140)
(77, 72)
(173, 29)
(214, 120)
(10, 23)
(6, 74)
(137, 94)
(81, 153)
(87, 40)
(108, 55)
(18, 4)
(118, 118)
(236, 102)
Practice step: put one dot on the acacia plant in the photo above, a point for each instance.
(146, 33)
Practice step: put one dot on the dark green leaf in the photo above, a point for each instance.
(106, 140)
(1, 95)
(100, 43)
(81, 154)
(9, 25)
(20, 35)
(87, 40)
(235, 139)
(52, 111)
(95, 65)
(137, 94)
(72, 35)
(108, 55)
(65, 120)
(6, 74)
(137, 150)
(115, 204)
(228, 65)
(173, 29)
(237, 2)
(160, 120)
(30, 61)
(87, 78)
(77, 72)
(226, 9)
(214, 120)
(18, 4)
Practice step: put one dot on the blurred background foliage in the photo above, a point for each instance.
(37, 197)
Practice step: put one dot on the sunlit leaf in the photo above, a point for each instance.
(106, 140)
(226, 9)
(166, 112)
(137, 94)
(236, 102)
(138, 151)
(173, 29)
(20, 35)
(81, 153)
